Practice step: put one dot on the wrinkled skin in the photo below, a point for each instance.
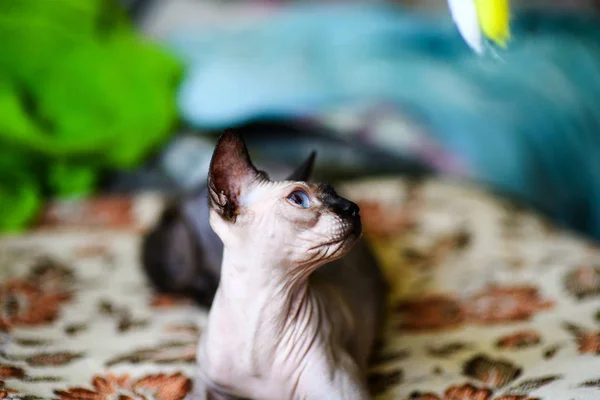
(292, 318)
(286, 322)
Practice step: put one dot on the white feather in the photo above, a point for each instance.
(464, 14)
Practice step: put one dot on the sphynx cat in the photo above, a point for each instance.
(286, 322)
(291, 319)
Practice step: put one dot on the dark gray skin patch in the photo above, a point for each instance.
(181, 255)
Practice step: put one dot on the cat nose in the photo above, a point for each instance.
(348, 209)
(344, 208)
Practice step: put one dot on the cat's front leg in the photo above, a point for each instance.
(342, 382)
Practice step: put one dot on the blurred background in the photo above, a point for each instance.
(122, 96)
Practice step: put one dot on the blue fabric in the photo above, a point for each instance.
(525, 120)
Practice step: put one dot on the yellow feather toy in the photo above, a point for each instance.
(479, 19)
(494, 20)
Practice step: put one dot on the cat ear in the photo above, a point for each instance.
(304, 171)
(231, 174)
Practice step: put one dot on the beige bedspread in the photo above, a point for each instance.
(489, 302)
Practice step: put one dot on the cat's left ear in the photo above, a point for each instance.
(304, 170)
(231, 175)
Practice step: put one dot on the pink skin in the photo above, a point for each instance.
(288, 321)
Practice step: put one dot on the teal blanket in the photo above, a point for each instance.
(525, 120)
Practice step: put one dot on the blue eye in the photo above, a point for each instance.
(299, 198)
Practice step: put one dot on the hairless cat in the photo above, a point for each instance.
(291, 317)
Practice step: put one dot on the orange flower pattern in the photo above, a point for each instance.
(589, 343)
(468, 392)
(108, 212)
(584, 282)
(159, 387)
(166, 301)
(519, 339)
(505, 304)
(35, 299)
(493, 305)
(431, 312)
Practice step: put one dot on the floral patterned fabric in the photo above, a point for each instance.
(488, 302)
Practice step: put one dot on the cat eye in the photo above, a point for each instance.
(299, 198)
